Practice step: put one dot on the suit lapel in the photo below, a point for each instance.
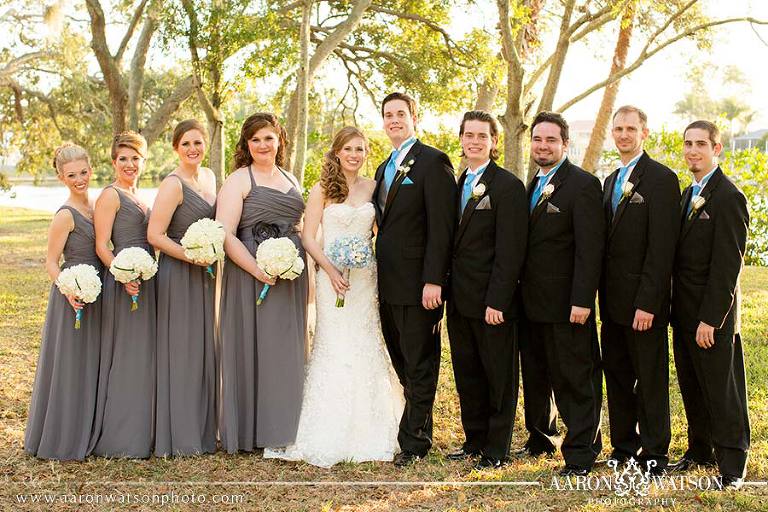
(413, 152)
(379, 177)
(709, 188)
(610, 182)
(560, 175)
(486, 178)
(634, 178)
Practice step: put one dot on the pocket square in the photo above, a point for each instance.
(636, 199)
(407, 181)
(552, 208)
(484, 204)
(704, 215)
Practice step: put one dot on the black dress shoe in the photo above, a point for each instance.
(486, 462)
(688, 463)
(732, 483)
(525, 451)
(462, 454)
(405, 458)
(572, 470)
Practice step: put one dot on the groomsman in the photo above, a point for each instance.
(488, 254)
(641, 201)
(705, 311)
(566, 234)
(416, 203)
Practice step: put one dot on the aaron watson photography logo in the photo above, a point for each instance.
(634, 485)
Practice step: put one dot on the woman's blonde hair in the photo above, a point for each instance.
(332, 180)
(69, 152)
(131, 140)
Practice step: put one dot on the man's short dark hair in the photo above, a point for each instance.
(482, 115)
(710, 127)
(554, 118)
(412, 108)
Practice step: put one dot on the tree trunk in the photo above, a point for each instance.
(597, 138)
(302, 93)
(486, 95)
(216, 155)
(556, 69)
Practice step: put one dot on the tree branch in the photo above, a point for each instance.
(645, 54)
(160, 117)
(129, 31)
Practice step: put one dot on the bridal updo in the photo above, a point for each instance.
(69, 152)
(332, 179)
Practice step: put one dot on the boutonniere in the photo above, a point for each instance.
(405, 169)
(547, 191)
(478, 190)
(626, 189)
(697, 202)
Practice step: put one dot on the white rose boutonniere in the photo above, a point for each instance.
(697, 202)
(626, 189)
(547, 191)
(478, 190)
(405, 168)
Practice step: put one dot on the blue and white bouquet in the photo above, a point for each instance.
(347, 253)
(83, 283)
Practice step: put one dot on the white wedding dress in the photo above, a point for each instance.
(353, 400)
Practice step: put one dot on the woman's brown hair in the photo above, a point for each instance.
(187, 126)
(131, 140)
(332, 180)
(253, 124)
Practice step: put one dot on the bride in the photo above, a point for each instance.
(353, 400)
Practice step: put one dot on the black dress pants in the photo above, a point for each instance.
(412, 336)
(713, 386)
(484, 361)
(636, 366)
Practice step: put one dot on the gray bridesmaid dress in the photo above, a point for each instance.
(125, 406)
(262, 348)
(186, 362)
(64, 394)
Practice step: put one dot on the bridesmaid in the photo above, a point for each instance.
(262, 348)
(124, 423)
(185, 422)
(64, 394)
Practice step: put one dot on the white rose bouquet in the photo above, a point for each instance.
(278, 257)
(204, 242)
(133, 264)
(82, 282)
(347, 253)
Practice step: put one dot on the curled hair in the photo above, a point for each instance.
(187, 126)
(482, 115)
(131, 140)
(332, 180)
(250, 126)
(554, 118)
(69, 152)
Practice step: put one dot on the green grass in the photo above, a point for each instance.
(24, 290)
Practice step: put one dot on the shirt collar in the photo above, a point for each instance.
(552, 171)
(705, 179)
(633, 161)
(480, 169)
(406, 143)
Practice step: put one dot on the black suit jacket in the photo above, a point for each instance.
(709, 259)
(640, 245)
(489, 249)
(416, 228)
(566, 233)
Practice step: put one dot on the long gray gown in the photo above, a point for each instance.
(186, 363)
(262, 348)
(125, 403)
(64, 394)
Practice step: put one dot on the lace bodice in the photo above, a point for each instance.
(343, 220)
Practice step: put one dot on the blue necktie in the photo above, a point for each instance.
(537, 191)
(391, 169)
(620, 179)
(466, 190)
(694, 192)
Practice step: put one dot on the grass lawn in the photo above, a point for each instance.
(233, 480)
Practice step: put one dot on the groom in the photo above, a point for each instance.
(416, 200)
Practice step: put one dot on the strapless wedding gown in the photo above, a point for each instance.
(352, 400)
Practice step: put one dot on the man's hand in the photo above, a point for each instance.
(579, 315)
(431, 296)
(705, 335)
(493, 316)
(643, 320)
